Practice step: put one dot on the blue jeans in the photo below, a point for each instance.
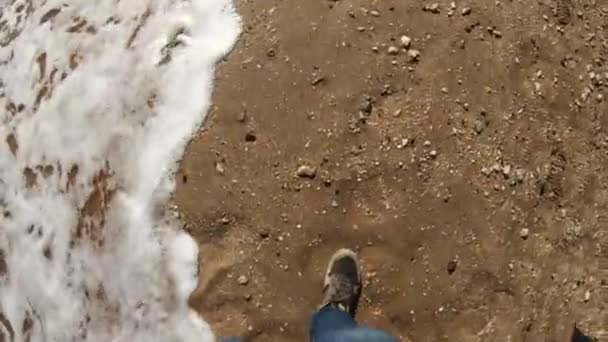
(333, 325)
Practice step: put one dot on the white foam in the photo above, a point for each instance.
(93, 256)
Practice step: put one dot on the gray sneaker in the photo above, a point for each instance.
(342, 287)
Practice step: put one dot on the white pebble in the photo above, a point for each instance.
(305, 171)
(406, 42)
(414, 54)
(243, 280)
(393, 50)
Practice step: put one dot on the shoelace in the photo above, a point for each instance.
(338, 290)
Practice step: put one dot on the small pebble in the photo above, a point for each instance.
(524, 233)
(466, 11)
(374, 13)
(587, 296)
(243, 280)
(393, 50)
(506, 170)
(433, 8)
(520, 175)
(451, 267)
(250, 137)
(406, 42)
(219, 167)
(305, 171)
(478, 126)
(242, 116)
(414, 55)
(317, 80)
(367, 106)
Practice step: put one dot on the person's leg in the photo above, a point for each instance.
(329, 319)
(342, 289)
(333, 325)
(334, 322)
(359, 334)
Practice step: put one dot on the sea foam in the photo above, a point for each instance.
(98, 100)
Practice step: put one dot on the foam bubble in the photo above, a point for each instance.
(98, 101)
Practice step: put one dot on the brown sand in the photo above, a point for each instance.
(486, 156)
